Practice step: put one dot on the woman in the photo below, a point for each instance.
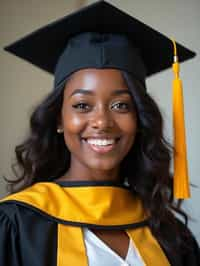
(96, 164)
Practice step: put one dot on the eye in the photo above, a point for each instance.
(121, 106)
(81, 107)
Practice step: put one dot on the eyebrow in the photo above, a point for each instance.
(89, 92)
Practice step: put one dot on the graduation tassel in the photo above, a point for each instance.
(181, 179)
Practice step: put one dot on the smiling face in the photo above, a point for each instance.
(99, 123)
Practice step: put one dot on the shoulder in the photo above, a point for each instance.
(11, 212)
(8, 211)
(24, 235)
(18, 215)
(16, 221)
(32, 204)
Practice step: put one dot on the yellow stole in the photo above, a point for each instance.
(97, 206)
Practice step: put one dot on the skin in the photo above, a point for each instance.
(101, 113)
(104, 113)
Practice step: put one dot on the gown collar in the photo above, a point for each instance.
(97, 204)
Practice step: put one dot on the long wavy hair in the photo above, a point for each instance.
(43, 156)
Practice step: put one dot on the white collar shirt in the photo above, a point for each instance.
(99, 254)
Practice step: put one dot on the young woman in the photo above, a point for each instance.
(94, 187)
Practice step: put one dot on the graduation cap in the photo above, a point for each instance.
(102, 36)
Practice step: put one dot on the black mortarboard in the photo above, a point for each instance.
(102, 36)
(99, 36)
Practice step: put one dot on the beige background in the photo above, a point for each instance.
(22, 85)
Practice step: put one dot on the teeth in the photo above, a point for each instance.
(101, 142)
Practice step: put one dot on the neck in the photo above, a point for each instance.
(78, 173)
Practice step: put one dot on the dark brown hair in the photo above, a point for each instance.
(43, 156)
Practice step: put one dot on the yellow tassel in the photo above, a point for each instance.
(181, 179)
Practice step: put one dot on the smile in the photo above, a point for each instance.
(101, 142)
(101, 145)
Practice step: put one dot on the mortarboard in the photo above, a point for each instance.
(102, 36)
(145, 52)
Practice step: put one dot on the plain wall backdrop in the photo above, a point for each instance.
(22, 85)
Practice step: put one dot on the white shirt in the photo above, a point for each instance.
(99, 254)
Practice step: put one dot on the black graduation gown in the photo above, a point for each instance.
(28, 237)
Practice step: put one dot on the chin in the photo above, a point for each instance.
(101, 165)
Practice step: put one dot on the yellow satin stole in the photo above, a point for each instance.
(100, 206)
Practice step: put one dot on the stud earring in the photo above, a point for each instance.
(59, 130)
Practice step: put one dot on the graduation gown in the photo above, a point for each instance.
(42, 225)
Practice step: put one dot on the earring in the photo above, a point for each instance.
(59, 130)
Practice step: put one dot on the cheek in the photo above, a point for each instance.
(128, 125)
(72, 123)
(73, 126)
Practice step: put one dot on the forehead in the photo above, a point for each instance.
(96, 80)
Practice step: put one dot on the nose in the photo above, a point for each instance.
(102, 119)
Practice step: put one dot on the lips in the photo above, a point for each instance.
(101, 145)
